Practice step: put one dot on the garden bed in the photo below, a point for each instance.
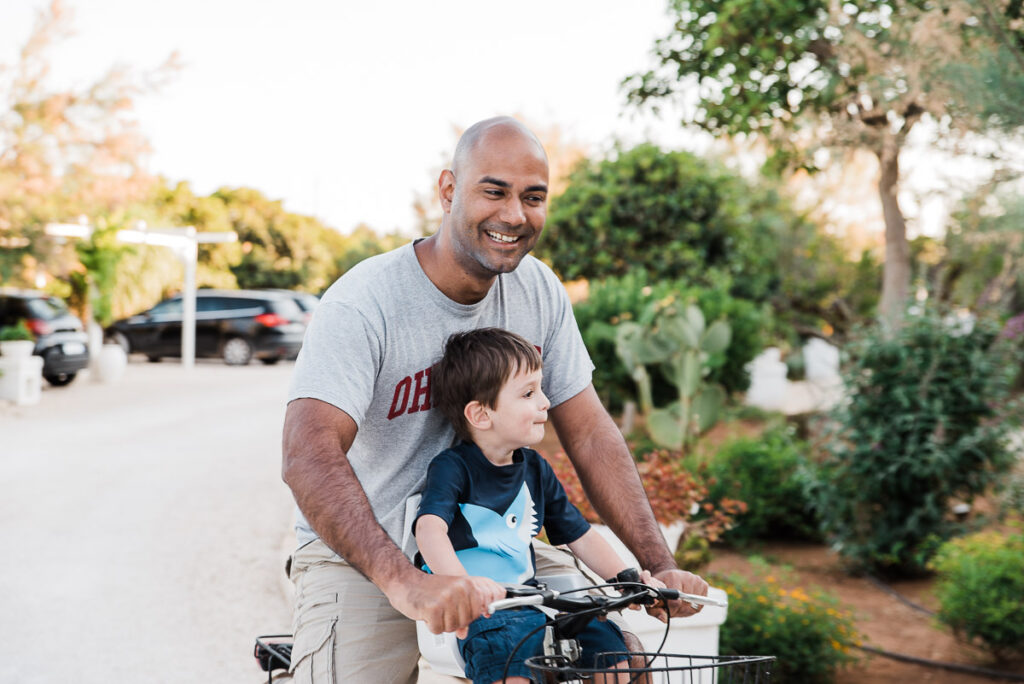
(883, 621)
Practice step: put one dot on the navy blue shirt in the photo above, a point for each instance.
(493, 512)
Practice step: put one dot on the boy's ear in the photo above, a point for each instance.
(477, 415)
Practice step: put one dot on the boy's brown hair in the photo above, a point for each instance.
(475, 366)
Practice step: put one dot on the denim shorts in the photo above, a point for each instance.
(490, 641)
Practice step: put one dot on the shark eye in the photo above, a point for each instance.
(511, 519)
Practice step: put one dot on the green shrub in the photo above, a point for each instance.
(807, 633)
(633, 297)
(765, 473)
(16, 332)
(980, 587)
(926, 422)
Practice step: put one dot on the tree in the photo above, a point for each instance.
(814, 76)
(64, 153)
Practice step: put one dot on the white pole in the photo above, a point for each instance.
(189, 255)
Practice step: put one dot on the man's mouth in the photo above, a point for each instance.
(501, 237)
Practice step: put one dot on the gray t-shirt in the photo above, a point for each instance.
(370, 346)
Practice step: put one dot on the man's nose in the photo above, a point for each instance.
(512, 213)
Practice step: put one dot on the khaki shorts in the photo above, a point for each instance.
(345, 629)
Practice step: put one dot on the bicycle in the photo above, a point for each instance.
(560, 661)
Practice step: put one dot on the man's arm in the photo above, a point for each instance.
(610, 478)
(317, 437)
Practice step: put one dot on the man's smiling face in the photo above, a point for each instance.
(498, 201)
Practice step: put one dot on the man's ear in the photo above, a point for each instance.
(446, 189)
(477, 415)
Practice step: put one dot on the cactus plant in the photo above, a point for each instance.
(681, 342)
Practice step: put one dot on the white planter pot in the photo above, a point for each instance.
(17, 349)
(21, 379)
(110, 363)
(694, 635)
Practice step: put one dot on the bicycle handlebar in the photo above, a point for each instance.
(538, 596)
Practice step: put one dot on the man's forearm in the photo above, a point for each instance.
(610, 479)
(331, 498)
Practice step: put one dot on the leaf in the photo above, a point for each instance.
(666, 426)
(707, 407)
(717, 338)
(695, 318)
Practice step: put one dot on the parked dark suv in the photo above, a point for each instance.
(236, 325)
(60, 335)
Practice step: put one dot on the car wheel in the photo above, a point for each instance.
(237, 351)
(60, 379)
(270, 361)
(121, 340)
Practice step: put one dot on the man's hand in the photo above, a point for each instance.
(683, 581)
(446, 603)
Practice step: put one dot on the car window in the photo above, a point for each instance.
(286, 308)
(47, 309)
(307, 302)
(166, 307)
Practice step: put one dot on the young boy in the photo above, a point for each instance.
(488, 496)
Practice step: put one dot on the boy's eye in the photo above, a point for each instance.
(529, 393)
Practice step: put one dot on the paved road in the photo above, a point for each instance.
(144, 526)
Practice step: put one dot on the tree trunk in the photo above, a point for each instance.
(896, 273)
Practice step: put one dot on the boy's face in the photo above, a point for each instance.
(522, 409)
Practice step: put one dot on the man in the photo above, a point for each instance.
(359, 432)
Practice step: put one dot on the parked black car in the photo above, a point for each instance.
(306, 301)
(236, 325)
(60, 335)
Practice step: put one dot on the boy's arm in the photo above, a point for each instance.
(435, 546)
(598, 554)
(439, 555)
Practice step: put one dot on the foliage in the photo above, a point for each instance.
(680, 341)
(818, 76)
(925, 422)
(93, 287)
(988, 77)
(765, 473)
(982, 266)
(671, 214)
(980, 588)
(635, 297)
(675, 494)
(16, 332)
(807, 633)
(64, 152)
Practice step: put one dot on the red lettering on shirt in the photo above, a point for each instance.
(422, 392)
(401, 399)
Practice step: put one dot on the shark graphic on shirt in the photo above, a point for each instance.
(503, 540)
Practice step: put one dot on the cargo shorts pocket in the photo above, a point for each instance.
(313, 653)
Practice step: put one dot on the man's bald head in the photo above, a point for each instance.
(499, 126)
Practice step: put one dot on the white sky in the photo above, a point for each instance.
(343, 109)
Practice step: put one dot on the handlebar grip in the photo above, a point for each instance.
(696, 599)
(515, 602)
